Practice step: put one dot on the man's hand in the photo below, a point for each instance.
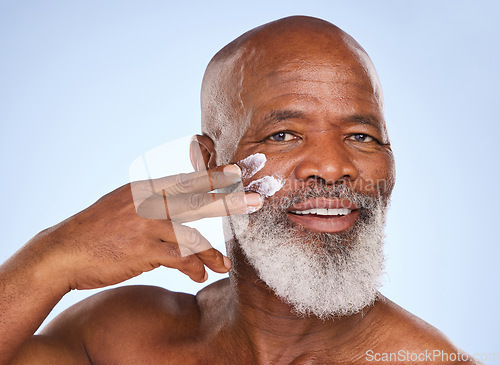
(133, 229)
(137, 228)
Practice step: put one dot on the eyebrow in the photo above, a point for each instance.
(365, 119)
(277, 116)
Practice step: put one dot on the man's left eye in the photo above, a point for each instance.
(282, 137)
(360, 137)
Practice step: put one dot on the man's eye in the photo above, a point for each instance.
(282, 137)
(360, 137)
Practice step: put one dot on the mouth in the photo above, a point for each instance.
(324, 215)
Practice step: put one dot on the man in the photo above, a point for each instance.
(292, 109)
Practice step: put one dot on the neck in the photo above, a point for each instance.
(275, 332)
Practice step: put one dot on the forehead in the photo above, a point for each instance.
(336, 82)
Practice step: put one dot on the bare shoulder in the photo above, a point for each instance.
(122, 325)
(125, 306)
(408, 327)
(411, 337)
(126, 321)
(215, 298)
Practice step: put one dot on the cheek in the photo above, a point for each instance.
(269, 179)
(279, 167)
(376, 175)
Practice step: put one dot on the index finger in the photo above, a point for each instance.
(197, 182)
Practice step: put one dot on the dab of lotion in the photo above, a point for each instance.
(266, 186)
(252, 164)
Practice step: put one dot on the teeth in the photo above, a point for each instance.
(342, 211)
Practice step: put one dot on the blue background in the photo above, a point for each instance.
(87, 86)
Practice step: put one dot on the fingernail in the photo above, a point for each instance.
(231, 170)
(227, 263)
(254, 200)
(252, 209)
(206, 276)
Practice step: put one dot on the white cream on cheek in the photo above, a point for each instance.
(252, 164)
(266, 186)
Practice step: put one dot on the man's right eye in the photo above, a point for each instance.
(281, 137)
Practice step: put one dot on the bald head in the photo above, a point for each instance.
(259, 58)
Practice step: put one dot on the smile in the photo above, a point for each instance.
(324, 215)
(323, 212)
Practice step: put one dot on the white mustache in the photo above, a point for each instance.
(361, 200)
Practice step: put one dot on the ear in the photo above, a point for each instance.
(202, 153)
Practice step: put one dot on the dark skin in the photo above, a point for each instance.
(310, 98)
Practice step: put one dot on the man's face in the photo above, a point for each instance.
(317, 116)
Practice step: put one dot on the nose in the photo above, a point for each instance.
(326, 158)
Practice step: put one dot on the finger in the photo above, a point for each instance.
(178, 256)
(215, 260)
(191, 241)
(197, 182)
(190, 244)
(193, 267)
(191, 207)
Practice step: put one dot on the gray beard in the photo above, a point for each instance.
(326, 275)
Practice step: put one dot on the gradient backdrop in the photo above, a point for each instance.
(88, 86)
